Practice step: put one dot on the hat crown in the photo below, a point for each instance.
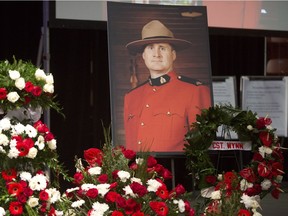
(155, 29)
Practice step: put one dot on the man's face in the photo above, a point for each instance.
(159, 58)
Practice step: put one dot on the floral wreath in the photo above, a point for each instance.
(233, 193)
(25, 85)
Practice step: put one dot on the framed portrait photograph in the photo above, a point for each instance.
(160, 74)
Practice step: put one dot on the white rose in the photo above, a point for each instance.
(40, 74)
(32, 153)
(49, 79)
(52, 144)
(13, 97)
(33, 202)
(48, 88)
(20, 83)
(14, 74)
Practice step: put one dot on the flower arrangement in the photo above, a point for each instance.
(24, 145)
(117, 182)
(233, 193)
(25, 85)
(26, 194)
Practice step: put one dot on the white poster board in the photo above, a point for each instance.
(224, 90)
(224, 93)
(267, 96)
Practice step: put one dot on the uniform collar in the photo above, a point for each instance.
(160, 80)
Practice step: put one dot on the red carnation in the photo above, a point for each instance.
(179, 189)
(103, 178)
(129, 154)
(93, 156)
(151, 161)
(210, 179)
(138, 213)
(166, 174)
(41, 127)
(111, 196)
(117, 213)
(3, 93)
(243, 212)
(49, 136)
(160, 208)
(78, 177)
(138, 189)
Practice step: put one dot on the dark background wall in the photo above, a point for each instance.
(79, 64)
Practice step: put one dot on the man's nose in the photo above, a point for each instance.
(156, 52)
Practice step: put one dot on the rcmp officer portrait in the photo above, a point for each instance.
(159, 111)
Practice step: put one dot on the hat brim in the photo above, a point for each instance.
(138, 46)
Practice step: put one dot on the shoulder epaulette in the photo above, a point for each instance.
(190, 80)
(138, 86)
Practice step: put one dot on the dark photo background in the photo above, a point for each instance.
(79, 64)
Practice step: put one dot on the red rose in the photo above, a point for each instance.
(243, 212)
(263, 122)
(160, 208)
(138, 189)
(16, 208)
(210, 179)
(248, 174)
(129, 154)
(41, 127)
(92, 193)
(179, 189)
(265, 138)
(49, 136)
(132, 206)
(166, 174)
(133, 166)
(36, 91)
(93, 156)
(29, 86)
(43, 195)
(3, 93)
(103, 178)
(27, 100)
(138, 213)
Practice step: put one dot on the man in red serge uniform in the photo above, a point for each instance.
(157, 113)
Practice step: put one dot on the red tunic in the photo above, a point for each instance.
(156, 118)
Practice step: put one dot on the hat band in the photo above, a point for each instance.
(157, 37)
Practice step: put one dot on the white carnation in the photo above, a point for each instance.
(5, 124)
(54, 195)
(99, 208)
(14, 74)
(250, 201)
(266, 184)
(31, 131)
(123, 175)
(77, 203)
(129, 191)
(153, 185)
(19, 128)
(20, 83)
(4, 140)
(13, 97)
(2, 211)
(103, 189)
(244, 184)
(181, 206)
(95, 170)
(138, 180)
(13, 153)
(25, 176)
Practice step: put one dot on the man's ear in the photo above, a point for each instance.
(174, 54)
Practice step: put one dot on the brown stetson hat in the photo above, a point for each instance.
(156, 32)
